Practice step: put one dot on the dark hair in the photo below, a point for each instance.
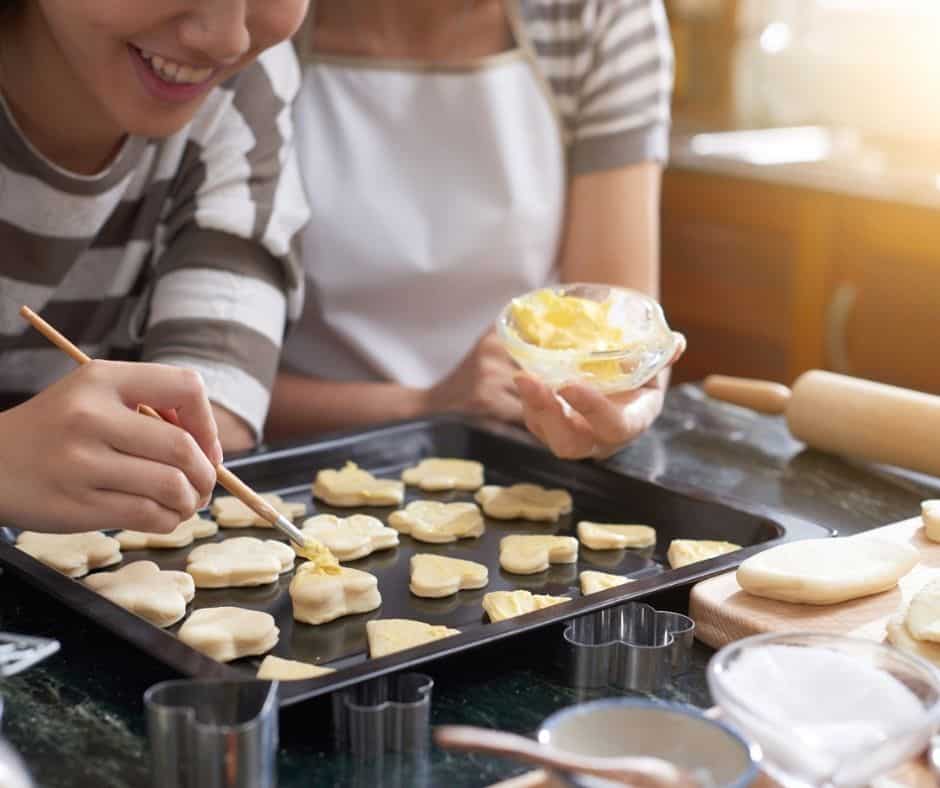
(8, 7)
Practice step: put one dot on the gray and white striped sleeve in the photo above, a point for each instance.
(622, 114)
(229, 277)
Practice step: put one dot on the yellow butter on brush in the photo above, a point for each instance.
(319, 555)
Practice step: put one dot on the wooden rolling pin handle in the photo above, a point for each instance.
(763, 396)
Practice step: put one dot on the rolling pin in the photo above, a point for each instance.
(847, 416)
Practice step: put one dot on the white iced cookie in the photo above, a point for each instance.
(523, 501)
(274, 668)
(592, 582)
(529, 554)
(683, 552)
(900, 636)
(437, 523)
(144, 589)
(500, 605)
(436, 576)
(230, 512)
(435, 474)
(227, 633)
(930, 514)
(349, 538)
(923, 614)
(242, 561)
(74, 555)
(321, 595)
(182, 536)
(608, 536)
(386, 636)
(353, 486)
(826, 571)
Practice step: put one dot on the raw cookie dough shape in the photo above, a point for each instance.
(239, 562)
(523, 501)
(353, 486)
(227, 633)
(592, 582)
(826, 571)
(230, 512)
(350, 538)
(529, 554)
(930, 514)
(272, 668)
(500, 605)
(438, 523)
(683, 552)
(182, 536)
(437, 576)
(386, 636)
(74, 555)
(155, 595)
(923, 614)
(320, 596)
(435, 474)
(900, 636)
(608, 536)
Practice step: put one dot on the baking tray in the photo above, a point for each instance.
(599, 494)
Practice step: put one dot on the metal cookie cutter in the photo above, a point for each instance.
(388, 714)
(213, 733)
(631, 646)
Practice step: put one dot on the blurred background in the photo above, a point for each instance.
(801, 208)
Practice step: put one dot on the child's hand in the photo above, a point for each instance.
(78, 456)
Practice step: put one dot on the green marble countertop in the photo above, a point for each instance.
(77, 720)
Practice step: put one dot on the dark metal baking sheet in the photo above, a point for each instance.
(599, 494)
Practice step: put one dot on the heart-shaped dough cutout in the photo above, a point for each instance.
(386, 636)
(529, 554)
(353, 486)
(930, 515)
(523, 501)
(227, 633)
(500, 605)
(592, 582)
(438, 523)
(435, 474)
(74, 555)
(276, 669)
(350, 538)
(239, 562)
(144, 589)
(923, 614)
(182, 536)
(230, 512)
(437, 576)
(608, 536)
(320, 596)
(683, 552)
(900, 637)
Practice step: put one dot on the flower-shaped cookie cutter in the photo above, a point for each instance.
(631, 646)
(387, 714)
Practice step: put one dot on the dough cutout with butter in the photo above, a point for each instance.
(436, 474)
(275, 668)
(529, 554)
(900, 637)
(239, 562)
(321, 596)
(438, 523)
(500, 605)
(389, 635)
(592, 582)
(608, 536)
(74, 555)
(352, 486)
(156, 595)
(350, 538)
(930, 515)
(523, 502)
(683, 552)
(437, 576)
(227, 633)
(923, 614)
(230, 512)
(183, 535)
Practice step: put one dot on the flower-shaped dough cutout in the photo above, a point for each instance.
(144, 589)
(239, 562)
(321, 595)
(274, 668)
(182, 536)
(438, 523)
(227, 633)
(523, 501)
(500, 605)
(230, 512)
(74, 555)
(930, 515)
(353, 486)
(436, 474)
(436, 576)
(349, 538)
(386, 636)
(529, 554)
(683, 552)
(608, 536)
(592, 582)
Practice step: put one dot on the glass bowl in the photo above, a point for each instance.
(826, 710)
(648, 345)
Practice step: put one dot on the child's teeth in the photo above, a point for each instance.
(176, 72)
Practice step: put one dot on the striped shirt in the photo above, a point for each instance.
(181, 252)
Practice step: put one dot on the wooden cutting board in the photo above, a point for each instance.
(724, 613)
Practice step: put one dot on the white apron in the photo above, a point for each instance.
(437, 194)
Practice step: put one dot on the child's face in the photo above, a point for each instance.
(148, 64)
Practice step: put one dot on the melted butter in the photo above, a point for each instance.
(558, 322)
(319, 558)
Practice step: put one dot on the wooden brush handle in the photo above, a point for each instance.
(763, 396)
